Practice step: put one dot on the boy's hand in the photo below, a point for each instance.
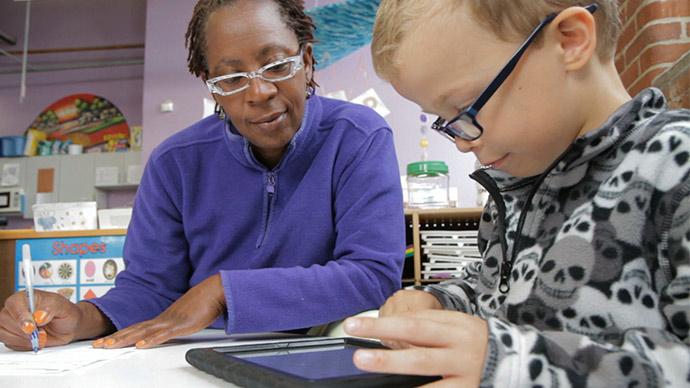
(405, 301)
(409, 300)
(194, 311)
(445, 343)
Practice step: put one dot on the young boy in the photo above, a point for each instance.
(586, 273)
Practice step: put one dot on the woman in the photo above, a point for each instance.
(282, 213)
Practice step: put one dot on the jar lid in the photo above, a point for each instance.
(427, 167)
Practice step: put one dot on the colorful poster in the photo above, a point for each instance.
(77, 268)
(86, 119)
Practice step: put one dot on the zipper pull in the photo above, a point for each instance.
(271, 188)
(503, 286)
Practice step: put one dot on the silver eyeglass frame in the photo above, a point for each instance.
(299, 64)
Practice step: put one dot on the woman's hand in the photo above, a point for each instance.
(194, 311)
(59, 321)
(444, 343)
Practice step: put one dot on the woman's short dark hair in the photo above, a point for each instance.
(291, 11)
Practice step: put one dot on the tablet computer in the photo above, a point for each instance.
(313, 363)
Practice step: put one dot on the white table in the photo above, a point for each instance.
(163, 366)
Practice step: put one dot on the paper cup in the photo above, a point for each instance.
(75, 149)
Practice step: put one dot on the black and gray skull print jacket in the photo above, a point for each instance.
(585, 279)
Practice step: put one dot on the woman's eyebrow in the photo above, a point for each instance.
(266, 50)
(270, 49)
(229, 62)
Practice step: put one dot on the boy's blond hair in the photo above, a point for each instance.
(507, 19)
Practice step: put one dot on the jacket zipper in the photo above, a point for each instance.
(485, 180)
(270, 190)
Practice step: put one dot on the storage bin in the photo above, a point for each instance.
(18, 145)
(7, 146)
(12, 145)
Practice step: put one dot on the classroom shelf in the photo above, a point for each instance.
(418, 220)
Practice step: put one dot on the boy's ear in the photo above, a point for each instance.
(577, 36)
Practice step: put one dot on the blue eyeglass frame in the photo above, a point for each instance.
(470, 114)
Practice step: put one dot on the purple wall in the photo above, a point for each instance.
(69, 24)
(139, 90)
(166, 77)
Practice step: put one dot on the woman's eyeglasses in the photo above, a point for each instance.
(465, 125)
(281, 70)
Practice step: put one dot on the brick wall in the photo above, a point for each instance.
(654, 46)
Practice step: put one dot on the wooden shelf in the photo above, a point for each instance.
(450, 219)
(8, 240)
(434, 280)
(469, 212)
(19, 234)
(121, 187)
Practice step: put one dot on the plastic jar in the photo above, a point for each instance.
(427, 185)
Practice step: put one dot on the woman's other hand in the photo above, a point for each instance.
(194, 311)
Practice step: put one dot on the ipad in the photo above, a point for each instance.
(314, 363)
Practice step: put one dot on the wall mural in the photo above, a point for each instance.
(342, 28)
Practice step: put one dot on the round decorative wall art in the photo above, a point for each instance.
(86, 119)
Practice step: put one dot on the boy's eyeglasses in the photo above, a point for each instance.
(465, 125)
(281, 70)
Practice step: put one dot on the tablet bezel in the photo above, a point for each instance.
(224, 362)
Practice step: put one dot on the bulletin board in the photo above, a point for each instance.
(77, 268)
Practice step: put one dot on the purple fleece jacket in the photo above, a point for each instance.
(316, 239)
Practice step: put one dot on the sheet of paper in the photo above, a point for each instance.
(134, 174)
(107, 176)
(371, 99)
(209, 108)
(55, 359)
(338, 95)
(10, 174)
(42, 198)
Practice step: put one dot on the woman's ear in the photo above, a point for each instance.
(576, 33)
(308, 60)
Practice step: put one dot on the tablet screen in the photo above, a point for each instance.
(313, 363)
(316, 363)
